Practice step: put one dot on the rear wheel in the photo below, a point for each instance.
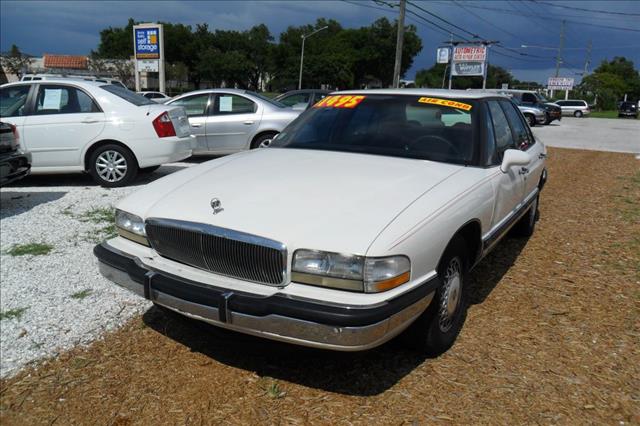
(577, 114)
(263, 141)
(113, 166)
(531, 120)
(436, 329)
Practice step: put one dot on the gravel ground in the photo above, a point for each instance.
(58, 300)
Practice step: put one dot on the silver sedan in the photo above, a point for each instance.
(225, 121)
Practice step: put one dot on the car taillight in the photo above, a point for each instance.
(163, 126)
(14, 129)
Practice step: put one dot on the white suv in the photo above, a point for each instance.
(86, 126)
(577, 108)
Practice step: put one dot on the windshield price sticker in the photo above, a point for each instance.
(445, 102)
(339, 101)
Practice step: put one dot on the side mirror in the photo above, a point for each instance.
(514, 157)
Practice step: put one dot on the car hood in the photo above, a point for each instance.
(323, 200)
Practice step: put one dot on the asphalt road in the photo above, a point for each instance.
(599, 134)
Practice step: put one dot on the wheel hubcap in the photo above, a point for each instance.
(451, 294)
(111, 166)
(265, 143)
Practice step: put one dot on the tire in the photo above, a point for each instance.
(547, 119)
(263, 141)
(105, 166)
(531, 120)
(435, 331)
(149, 169)
(527, 223)
(577, 114)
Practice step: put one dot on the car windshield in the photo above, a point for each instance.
(542, 98)
(127, 95)
(421, 127)
(268, 100)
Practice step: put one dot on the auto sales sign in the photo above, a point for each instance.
(147, 42)
(469, 53)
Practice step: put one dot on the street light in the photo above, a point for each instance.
(304, 37)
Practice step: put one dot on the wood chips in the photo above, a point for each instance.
(552, 337)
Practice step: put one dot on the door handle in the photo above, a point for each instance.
(248, 122)
(542, 155)
(523, 171)
(90, 120)
(196, 125)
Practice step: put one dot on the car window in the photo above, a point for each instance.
(562, 103)
(233, 104)
(501, 131)
(319, 96)
(270, 101)
(298, 98)
(59, 99)
(127, 95)
(518, 126)
(148, 95)
(529, 97)
(195, 106)
(12, 100)
(408, 126)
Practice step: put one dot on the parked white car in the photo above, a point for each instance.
(226, 121)
(105, 130)
(157, 97)
(361, 221)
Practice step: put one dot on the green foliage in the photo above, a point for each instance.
(610, 82)
(12, 313)
(336, 57)
(15, 62)
(32, 249)
(82, 294)
(496, 77)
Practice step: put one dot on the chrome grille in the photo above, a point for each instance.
(219, 250)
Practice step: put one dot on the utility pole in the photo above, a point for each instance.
(587, 62)
(559, 57)
(399, 41)
(304, 37)
(450, 59)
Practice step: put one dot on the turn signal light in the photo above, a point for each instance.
(163, 126)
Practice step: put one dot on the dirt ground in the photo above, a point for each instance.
(552, 337)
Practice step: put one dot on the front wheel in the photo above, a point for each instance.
(436, 329)
(113, 166)
(547, 119)
(527, 224)
(577, 114)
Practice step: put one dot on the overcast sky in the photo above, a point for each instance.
(73, 27)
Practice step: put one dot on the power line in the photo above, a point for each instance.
(487, 21)
(444, 20)
(606, 12)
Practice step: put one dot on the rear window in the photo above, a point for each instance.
(127, 95)
(268, 100)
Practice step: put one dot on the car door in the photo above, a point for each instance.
(525, 142)
(508, 186)
(63, 120)
(198, 108)
(234, 121)
(13, 105)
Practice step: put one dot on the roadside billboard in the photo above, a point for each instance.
(470, 53)
(468, 68)
(443, 55)
(148, 51)
(560, 83)
(147, 43)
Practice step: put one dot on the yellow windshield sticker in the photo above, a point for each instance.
(339, 101)
(445, 102)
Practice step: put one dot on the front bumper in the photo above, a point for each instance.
(14, 166)
(299, 321)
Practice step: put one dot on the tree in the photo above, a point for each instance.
(16, 62)
(611, 81)
(496, 77)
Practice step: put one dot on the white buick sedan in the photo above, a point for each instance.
(360, 222)
(103, 129)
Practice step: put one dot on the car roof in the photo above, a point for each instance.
(73, 81)
(222, 90)
(453, 94)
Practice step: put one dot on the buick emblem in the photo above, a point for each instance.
(216, 205)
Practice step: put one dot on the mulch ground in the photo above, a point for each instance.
(552, 337)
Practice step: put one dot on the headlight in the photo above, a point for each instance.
(131, 227)
(349, 272)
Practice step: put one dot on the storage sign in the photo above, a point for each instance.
(470, 53)
(468, 68)
(147, 43)
(560, 83)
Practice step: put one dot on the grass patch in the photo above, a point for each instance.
(12, 313)
(33, 249)
(82, 294)
(98, 215)
(271, 388)
(605, 114)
